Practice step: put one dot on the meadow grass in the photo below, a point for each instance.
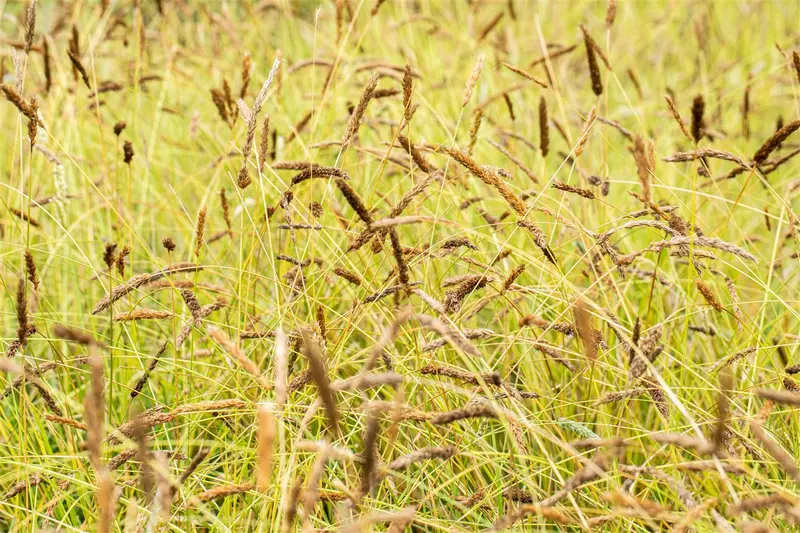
(426, 266)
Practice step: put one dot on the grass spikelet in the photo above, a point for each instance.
(469, 411)
(354, 123)
(142, 314)
(594, 69)
(698, 125)
(140, 281)
(791, 385)
(351, 277)
(30, 270)
(708, 295)
(65, 421)
(473, 132)
(415, 154)
(677, 116)
(561, 186)
(19, 102)
(354, 200)
(408, 81)
(22, 312)
(453, 299)
(223, 491)
(544, 127)
(775, 141)
(30, 25)
(399, 257)
(200, 229)
(76, 63)
(423, 454)
(263, 146)
(525, 75)
(473, 79)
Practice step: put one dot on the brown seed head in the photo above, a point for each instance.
(127, 150)
(118, 127)
(109, 256)
(199, 231)
(698, 108)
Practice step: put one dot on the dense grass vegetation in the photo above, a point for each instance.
(405, 265)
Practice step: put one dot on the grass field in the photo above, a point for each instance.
(399, 266)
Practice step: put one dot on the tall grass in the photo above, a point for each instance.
(422, 266)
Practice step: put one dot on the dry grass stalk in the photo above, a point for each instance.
(477, 118)
(351, 277)
(611, 13)
(677, 116)
(784, 397)
(415, 154)
(461, 334)
(354, 200)
(700, 446)
(199, 231)
(407, 91)
(553, 353)
(140, 281)
(223, 491)
(423, 454)
(388, 291)
(76, 63)
(620, 395)
(319, 374)
(65, 421)
(453, 299)
(757, 503)
(24, 107)
(489, 178)
(473, 79)
(733, 358)
(142, 314)
(525, 75)
(708, 295)
(399, 257)
(469, 411)
(775, 141)
(583, 325)
(354, 123)
(433, 369)
(706, 242)
(266, 438)
(24, 216)
(561, 186)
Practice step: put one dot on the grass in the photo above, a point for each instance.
(614, 383)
